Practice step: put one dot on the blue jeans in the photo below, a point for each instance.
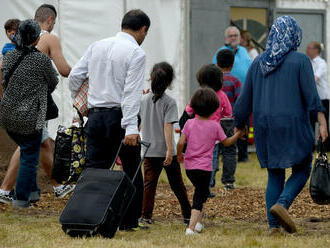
(27, 175)
(279, 192)
(215, 164)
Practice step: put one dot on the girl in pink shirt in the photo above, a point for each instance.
(213, 79)
(201, 135)
(211, 76)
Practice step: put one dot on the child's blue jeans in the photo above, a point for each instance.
(279, 192)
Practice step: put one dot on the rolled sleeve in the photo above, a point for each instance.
(133, 92)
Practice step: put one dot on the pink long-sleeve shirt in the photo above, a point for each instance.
(224, 110)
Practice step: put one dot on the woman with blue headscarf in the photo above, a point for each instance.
(280, 91)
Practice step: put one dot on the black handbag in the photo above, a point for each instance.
(52, 109)
(320, 179)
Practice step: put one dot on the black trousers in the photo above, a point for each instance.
(104, 134)
(201, 180)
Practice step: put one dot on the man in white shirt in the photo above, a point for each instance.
(115, 67)
(320, 69)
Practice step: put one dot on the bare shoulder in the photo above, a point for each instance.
(49, 39)
(47, 42)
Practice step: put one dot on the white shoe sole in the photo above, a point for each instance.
(63, 195)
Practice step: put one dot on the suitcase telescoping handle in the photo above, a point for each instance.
(144, 143)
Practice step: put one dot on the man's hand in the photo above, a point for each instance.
(323, 132)
(131, 140)
(169, 158)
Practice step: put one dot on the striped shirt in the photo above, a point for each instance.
(232, 87)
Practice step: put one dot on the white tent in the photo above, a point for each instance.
(81, 22)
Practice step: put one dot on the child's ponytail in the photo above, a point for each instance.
(162, 75)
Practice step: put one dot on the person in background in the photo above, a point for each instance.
(50, 45)
(200, 145)
(240, 68)
(232, 87)
(320, 69)
(212, 77)
(116, 68)
(10, 26)
(246, 41)
(158, 113)
(24, 105)
(242, 58)
(281, 93)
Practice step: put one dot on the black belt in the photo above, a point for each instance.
(102, 109)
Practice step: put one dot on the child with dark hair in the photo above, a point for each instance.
(232, 88)
(200, 144)
(158, 113)
(211, 76)
(231, 85)
(11, 27)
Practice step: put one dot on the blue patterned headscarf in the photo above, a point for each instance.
(285, 36)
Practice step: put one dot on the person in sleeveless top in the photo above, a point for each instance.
(48, 44)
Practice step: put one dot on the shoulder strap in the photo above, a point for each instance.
(13, 69)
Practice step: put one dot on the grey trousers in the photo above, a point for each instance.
(228, 156)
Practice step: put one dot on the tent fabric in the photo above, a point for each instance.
(79, 23)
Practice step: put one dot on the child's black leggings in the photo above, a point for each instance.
(201, 180)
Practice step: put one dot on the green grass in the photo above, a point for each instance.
(22, 230)
(32, 231)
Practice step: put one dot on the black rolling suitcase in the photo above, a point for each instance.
(99, 201)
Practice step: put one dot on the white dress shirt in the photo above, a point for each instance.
(115, 67)
(253, 53)
(321, 72)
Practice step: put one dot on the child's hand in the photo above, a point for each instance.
(169, 158)
(147, 91)
(180, 158)
(241, 132)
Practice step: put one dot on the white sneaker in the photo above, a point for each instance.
(199, 227)
(190, 232)
(63, 190)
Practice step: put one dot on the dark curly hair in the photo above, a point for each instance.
(204, 102)
(211, 76)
